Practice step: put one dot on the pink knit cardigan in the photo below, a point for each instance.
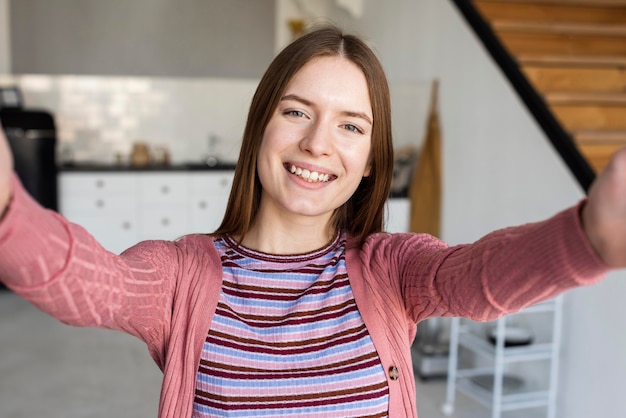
(165, 293)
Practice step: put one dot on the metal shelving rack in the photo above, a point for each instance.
(499, 357)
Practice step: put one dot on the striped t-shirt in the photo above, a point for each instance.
(287, 340)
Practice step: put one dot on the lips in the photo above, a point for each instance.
(309, 175)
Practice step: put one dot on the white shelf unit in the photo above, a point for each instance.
(499, 357)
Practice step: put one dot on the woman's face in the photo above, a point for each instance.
(316, 146)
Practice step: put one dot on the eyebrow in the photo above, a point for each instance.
(309, 103)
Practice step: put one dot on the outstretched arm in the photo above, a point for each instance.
(59, 267)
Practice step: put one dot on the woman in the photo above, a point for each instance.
(298, 305)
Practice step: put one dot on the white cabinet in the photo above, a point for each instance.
(206, 211)
(397, 215)
(104, 204)
(163, 204)
(122, 208)
(498, 382)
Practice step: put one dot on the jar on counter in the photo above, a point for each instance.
(140, 154)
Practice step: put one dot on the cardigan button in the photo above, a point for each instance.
(394, 373)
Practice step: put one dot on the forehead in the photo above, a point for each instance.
(333, 78)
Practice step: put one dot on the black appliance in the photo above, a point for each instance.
(32, 139)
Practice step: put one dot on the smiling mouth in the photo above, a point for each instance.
(310, 176)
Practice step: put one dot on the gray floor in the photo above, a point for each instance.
(51, 370)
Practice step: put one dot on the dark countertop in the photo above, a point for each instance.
(92, 167)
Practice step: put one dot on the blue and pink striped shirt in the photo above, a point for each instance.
(288, 340)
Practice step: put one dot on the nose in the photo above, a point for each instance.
(317, 139)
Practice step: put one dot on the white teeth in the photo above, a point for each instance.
(310, 176)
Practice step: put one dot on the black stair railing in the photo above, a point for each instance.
(556, 134)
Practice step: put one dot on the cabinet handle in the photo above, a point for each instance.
(99, 183)
(165, 189)
(126, 225)
(224, 182)
(165, 221)
(99, 203)
(202, 204)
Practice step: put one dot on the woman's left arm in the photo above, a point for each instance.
(503, 272)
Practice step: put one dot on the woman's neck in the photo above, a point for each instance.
(286, 236)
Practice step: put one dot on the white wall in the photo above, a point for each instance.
(5, 38)
(187, 38)
(499, 170)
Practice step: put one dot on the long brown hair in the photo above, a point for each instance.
(363, 213)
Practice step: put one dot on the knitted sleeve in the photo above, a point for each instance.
(503, 272)
(60, 268)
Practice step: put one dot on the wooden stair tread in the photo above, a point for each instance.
(562, 79)
(591, 136)
(574, 60)
(554, 43)
(577, 117)
(586, 98)
(561, 28)
(533, 11)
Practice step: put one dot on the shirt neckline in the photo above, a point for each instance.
(337, 241)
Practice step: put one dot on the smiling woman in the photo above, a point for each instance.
(314, 129)
(367, 109)
(299, 305)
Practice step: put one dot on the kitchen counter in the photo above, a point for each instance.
(98, 167)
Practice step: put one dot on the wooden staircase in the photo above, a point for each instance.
(573, 52)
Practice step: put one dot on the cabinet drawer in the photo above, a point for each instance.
(97, 183)
(206, 214)
(98, 205)
(219, 182)
(163, 188)
(209, 197)
(164, 223)
(115, 233)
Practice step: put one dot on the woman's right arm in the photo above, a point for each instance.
(63, 270)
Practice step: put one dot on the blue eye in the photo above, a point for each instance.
(352, 128)
(295, 113)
